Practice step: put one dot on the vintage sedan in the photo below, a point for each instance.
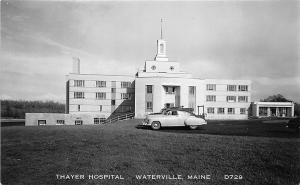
(173, 118)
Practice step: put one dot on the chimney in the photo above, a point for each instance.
(76, 65)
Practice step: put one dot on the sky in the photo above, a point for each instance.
(254, 40)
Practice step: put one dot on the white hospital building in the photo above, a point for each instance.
(160, 83)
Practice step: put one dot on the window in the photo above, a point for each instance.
(243, 87)
(79, 83)
(263, 111)
(78, 108)
(100, 108)
(242, 110)
(170, 90)
(101, 95)
(113, 102)
(149, 89)
(231, 98)
(125, 84)
(100, 83)
(243, 98)
(192, 90)
(210, 98)
(231, 87)
(78, 95)
(125, 96)
(113, 90)
(41, 122)
(78, 122)
(221, 111)
(231, 111)
(161, 46)
(149, 106)
(60, 122)
(113, 83)
(97, 121)
(210, 87)
(210, 110)
(102, 120)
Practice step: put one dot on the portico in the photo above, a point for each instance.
(272, 109)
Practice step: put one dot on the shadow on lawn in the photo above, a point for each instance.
(257, 129)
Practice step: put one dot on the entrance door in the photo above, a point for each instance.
(273, 111)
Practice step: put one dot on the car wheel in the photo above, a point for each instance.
(193, 127)
(155, 125)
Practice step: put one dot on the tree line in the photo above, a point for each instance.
(18, 108)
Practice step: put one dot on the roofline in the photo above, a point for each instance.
(99, 75)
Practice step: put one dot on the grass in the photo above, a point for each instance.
(263, 153)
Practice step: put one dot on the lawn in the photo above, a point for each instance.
(263, 153)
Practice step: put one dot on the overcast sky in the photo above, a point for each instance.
(255, 40)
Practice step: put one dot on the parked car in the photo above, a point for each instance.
(294, 123)
(173, 118)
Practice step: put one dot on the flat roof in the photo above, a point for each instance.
(273, 103)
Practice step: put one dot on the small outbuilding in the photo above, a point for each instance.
(272, 109)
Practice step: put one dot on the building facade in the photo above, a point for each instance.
(158, 84)
(99, 95)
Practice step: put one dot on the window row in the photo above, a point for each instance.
(220, 110)
(76, 122)
(102, 95)
(240, 87)
(170, 89)
(212, 98)
(212, 87)
(121, 108)
(79, 108)
(240, 98)
(80, 83)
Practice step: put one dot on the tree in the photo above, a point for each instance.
(18, 108)
(297, 109)
(276, 98)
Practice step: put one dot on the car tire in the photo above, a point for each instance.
(155, 125)
(193, 127)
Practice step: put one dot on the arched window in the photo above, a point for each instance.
(161, 47)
